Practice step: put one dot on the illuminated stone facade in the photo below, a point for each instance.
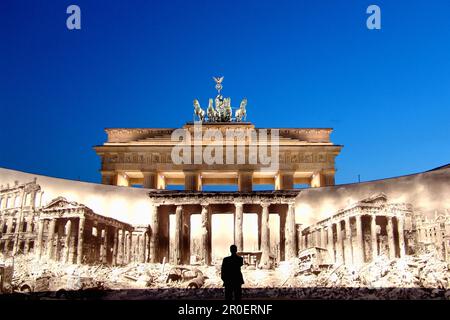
(143, 157)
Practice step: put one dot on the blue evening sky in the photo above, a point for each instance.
(299, 63)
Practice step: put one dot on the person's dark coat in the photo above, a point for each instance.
(231, 271)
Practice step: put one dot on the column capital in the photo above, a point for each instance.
(291, 203)
(265, 204)
(204, 204)
(239, 204)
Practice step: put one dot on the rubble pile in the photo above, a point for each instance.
(422, 276)
(422, 271)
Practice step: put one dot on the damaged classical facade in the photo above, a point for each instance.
(71, 232)
(371, 227)
(183, 204)
(65, 231)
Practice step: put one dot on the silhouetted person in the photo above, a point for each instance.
(232, 276)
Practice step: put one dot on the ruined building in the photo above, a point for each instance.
(374, 226)
(18, 216)
(65, 231)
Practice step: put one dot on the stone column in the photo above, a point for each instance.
(80, 250)
(359, 251)
(109, 177)
(122, 249)
(401, 235)
(373, 233)
(154, 235)
(101, 242)
(205, 234)
(186, 237)
(136, 247)
(282, 233)
(150, 179)
(125, 252)
(50, 236)
(238, 221)
(265, 237)
(317, 180)
(323, 238)
(38, 245)
(290, 243)
(59, 255)
(115, 246)
(178, 234)
(390, 235)
(317, 235)
(73, 243)
(245, 181)
(68, 232)
(299, 237)
(330, 245)
(259, 217)
(146, 246)
(339, 244)
(348, 255)
(285, 180)
(130, 245)
(142, 246)
(191, 180)
(329, 179)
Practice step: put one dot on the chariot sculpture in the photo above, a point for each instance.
(219, 109)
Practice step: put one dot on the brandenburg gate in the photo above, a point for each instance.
(219, 149)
